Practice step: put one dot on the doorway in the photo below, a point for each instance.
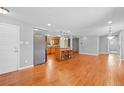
(75, 45)
(114, 45)
(9, 48)
(58, 48)
(53, 42)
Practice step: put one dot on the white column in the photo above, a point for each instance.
(71, 42)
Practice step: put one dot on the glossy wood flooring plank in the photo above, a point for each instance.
(81, 70)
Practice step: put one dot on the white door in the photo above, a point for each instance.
(9, 48)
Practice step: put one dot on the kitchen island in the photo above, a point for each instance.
(63, 53)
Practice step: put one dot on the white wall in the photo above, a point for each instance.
(122, 45)
(89, 46)
(103, 44)
(114, 44)
(26, 34)
(75, 44)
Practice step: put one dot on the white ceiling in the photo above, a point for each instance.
(80, 21)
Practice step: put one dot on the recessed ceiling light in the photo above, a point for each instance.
(109, 22)
(4, 10)
(48, 24)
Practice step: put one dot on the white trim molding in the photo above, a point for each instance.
(122, 59)
(25, 67)
(103, 53)
(98, 48)
(92, 54)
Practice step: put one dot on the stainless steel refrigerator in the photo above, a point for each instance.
(40, 51)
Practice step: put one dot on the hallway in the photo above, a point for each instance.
(80, 70)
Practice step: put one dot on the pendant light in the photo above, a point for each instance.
(110, 35)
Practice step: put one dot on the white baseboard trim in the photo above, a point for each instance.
(92, 54)
(103, 53)
(122, 59)
(25, 67)
(113, 52)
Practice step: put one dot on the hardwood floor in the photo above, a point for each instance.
(80, 70)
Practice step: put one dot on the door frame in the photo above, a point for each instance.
(18, 43)
(120, 38)
(120, 41)
(18, 66)
(108, 46)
